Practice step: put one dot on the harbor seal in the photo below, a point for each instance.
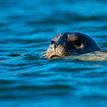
(71, 43)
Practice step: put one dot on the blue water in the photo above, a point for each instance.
(26, 79)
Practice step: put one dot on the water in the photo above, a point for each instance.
(26, 79)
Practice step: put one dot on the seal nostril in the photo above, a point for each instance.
(52, 42)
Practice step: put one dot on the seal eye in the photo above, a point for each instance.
(77, 43)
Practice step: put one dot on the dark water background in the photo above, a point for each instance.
(26, 28)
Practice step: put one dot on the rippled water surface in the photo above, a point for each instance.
(26, 79)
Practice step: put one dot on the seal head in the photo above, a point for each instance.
(71, 44)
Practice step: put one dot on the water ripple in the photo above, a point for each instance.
(26, 29)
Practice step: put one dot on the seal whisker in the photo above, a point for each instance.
(59, 31)
(44, 52)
